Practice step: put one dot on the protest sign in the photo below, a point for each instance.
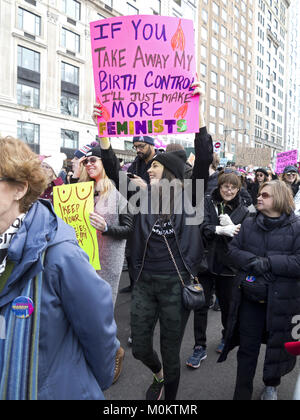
(257, 156)
(73, 203)
(143, 70)
(286, 158)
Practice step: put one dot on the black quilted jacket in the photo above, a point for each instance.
(281, 244)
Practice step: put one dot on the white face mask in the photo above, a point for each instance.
(6, 238)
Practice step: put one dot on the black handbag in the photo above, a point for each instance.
(193, 297)
(255, 288)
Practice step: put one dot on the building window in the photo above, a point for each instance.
(28, 59)
(30, 134)
(28, 95)
(69, 100)
(71, 8)
(109, 3)
(70, 40)
(69, 73)
(69, 105)
(29, 22)
(28, 77)
(156, 7)
(132, 10)
(69, 142)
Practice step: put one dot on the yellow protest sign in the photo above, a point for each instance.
(73, 203)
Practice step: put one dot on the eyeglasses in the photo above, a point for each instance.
(264, 195)
(92, 160)
(291, 173)
(139, 147)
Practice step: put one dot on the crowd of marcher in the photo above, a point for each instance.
(60, 334)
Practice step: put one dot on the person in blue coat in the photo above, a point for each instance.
(58, 337)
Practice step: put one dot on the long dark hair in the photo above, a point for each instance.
(168, 175)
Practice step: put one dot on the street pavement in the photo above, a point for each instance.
(211, 381)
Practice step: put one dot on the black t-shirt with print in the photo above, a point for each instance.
(158, 259)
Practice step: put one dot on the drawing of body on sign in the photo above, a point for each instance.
(73, 203)
(143, 69)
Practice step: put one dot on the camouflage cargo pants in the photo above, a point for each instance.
(158, 297)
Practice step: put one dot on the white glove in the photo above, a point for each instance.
(229, 230)
(225, 220)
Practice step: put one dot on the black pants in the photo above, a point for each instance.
(252, 328)
(223, 289)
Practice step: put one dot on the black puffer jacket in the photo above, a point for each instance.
(281, 244)
(217, 245)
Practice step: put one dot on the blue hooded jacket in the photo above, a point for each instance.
(77, 342)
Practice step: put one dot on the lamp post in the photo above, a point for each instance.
(229, 130)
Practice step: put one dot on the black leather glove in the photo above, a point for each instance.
(259, 266)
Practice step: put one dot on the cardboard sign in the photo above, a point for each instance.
(286, 158)
(143, 69)
(246, 156)
(73, 203)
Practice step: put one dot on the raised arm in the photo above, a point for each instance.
(203, 143)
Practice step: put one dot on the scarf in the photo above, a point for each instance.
(6, 238)
(19, 351)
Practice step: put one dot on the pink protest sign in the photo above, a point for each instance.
(143, 69)
(286, 158)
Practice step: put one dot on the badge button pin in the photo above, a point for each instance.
(22, 307)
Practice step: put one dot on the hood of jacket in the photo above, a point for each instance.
(41, 229)
(283, 220)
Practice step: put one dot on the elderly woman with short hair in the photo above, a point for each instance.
(57, 345)
(267, 254)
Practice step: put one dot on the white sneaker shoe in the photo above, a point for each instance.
(269, 393)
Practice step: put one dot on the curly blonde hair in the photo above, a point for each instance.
(22, 166)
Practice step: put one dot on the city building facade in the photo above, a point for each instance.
(292, 138)
(271, 82)
(242, 63)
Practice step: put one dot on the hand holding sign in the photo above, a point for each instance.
(98, 222)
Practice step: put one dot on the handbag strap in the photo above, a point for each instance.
(173, 259)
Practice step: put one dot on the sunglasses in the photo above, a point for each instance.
(264, 195)
(92, 160)
(291, 173)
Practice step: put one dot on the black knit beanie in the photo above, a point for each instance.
(262, 170)
(173, 161)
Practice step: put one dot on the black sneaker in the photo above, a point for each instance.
(155, 390)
